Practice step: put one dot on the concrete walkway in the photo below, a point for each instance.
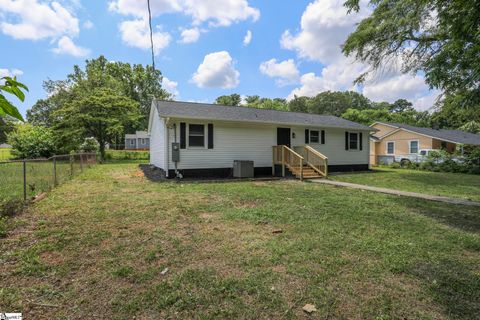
(398, 192)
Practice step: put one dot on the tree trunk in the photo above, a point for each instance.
(102, 150)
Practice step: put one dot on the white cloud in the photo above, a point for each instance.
(217, 13)
(139, 8)
(217, 71)
(135, 33)
(34, 20)
(67, 46)
(324, 27)
(10, 72)
(190, 35)
(88, 24)
(248, 38)
(401, 86)
(427, 102)
(286, 71)
(170, 86)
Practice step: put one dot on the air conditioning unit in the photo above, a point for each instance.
(243, 169)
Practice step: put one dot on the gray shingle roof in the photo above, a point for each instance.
(457, 136)
(205, 111)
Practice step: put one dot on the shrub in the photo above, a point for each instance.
(395, 165)
(30, 142)
(90, 145)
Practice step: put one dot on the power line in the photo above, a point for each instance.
(151, 33)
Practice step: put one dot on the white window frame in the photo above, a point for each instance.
(204, 136)
(142, 141)
(410, 146)
(386, 147)
(358, 141)
(132, 142)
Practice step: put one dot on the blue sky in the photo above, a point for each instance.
(294, 46)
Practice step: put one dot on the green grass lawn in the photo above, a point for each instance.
(455, 185)
(98, 244)
(39, 176)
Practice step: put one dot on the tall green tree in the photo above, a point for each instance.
(266, 103)
(369, 116)
(13, 87)
(452, 112)
(440, 38)
(101, 113)
(137, 82)
(229, 100)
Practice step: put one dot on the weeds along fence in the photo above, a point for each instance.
(24, 179)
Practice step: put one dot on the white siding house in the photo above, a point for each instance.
(212, 137)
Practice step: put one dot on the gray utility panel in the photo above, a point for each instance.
(242, 169)
(175, 151)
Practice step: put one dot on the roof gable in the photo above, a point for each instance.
(204, 111)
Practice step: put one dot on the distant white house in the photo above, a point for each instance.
(194, 139)
(5, 146)
(140, 140)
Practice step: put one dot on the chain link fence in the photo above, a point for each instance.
(24, 179)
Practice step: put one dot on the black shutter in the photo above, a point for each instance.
(346, 140)
(183, 135)
(323, 137)
(361, 142)
(307, 136)
(210, 136)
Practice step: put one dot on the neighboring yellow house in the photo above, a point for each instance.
(401, 141)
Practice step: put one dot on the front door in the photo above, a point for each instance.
(283, 136)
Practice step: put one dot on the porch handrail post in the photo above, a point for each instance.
(326, 168)
(301, 169)
(283, 161)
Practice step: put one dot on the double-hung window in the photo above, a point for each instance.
(390, 147)
(314, 136)
(196, 135)
(413, 146)
(353, 141)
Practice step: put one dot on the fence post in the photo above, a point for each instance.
(24, 180)
(71, 166)
(55, 182)
(81, 162)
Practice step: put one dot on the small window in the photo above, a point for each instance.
(444, 145)
(390, 147)
(196, 135)
(142, 141)
(132, 142)
(314, 136)
(414, 147)
(353, 141)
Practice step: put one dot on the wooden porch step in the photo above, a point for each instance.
(308, 172)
